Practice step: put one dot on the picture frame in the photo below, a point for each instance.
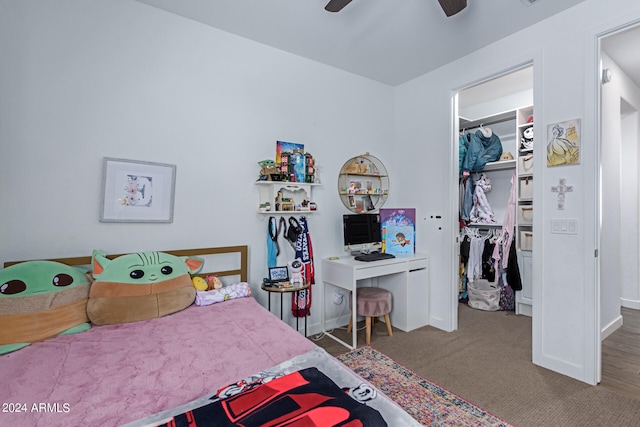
(137, 191)
(368, 203)
(564, 143)
(278, 274)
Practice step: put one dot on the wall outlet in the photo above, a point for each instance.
(338, 297)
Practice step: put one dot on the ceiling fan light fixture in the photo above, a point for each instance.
(451, 7)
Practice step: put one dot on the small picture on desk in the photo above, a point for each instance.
(278, 274)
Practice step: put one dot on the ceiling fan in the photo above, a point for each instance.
(450, 7)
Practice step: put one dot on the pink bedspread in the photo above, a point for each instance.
(115, 374)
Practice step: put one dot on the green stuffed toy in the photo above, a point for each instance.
(39, 300)
(140, 286)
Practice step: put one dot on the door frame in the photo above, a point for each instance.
(534, 60)
(594, 109)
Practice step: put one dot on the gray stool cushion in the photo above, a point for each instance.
(372, 302)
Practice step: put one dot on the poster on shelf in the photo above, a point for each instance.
(398, 230)
(283, 147)
(298, 167)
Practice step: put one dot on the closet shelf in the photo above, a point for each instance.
(483, 225)
(500, 165)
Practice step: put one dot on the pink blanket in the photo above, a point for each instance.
(114, 374)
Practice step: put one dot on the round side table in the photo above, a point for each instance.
(294, 289)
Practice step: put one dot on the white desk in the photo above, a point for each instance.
(406, 277)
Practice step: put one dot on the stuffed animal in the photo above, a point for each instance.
(268, 168)
(295, 272)
(140, 286)
(199, 283)
(213, 282)
(41, 299)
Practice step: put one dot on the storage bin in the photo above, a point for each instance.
(525, 165)
(525, 188)
(525, 215)
(484, 295)
(526, 240)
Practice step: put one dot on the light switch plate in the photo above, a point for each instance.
(564, 226)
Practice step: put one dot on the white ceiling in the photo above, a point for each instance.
(391, 41)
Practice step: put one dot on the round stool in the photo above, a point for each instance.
(371, 303)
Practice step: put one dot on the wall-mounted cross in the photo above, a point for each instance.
(561, 188)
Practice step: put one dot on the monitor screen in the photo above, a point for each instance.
(361, 231)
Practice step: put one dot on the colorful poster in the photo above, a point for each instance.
(282, 146)
(398, 230)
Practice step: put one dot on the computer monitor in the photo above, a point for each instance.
(362, 232)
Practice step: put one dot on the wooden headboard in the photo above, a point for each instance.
(240, 251)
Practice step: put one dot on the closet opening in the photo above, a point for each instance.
(495, 122)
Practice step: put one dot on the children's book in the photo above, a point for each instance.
(398, 230)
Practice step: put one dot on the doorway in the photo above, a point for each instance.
(503, 104)
(619, 202)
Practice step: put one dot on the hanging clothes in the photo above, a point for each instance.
(463, 146)
(509, 222)
(481, 212)
(467, 190)
(273, 247)
(484, 147)
(474, 265)
(513, 271)
(301, 306)
(488, 271)
(272, 242)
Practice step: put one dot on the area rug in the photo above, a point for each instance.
(425, 401)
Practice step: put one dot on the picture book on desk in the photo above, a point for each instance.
(398, 230)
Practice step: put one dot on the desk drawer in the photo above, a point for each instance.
(380, 268)
(417, 264)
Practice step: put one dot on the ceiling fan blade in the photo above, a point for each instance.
(337, 5)
(451, 7)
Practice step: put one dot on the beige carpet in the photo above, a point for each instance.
(488, 362)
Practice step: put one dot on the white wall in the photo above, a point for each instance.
(620, 284)
(565, 297)
(85, 79)
(81, 80)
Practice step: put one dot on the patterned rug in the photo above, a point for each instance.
(428, 403)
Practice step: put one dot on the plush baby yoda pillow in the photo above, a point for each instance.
(140, 286)
(41, 299)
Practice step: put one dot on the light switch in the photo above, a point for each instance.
(564, 226)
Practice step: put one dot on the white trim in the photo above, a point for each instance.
(611, 328)
(593, 97)
(527, 60)
(628, 303)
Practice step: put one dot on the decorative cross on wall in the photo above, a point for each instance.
(561, 188)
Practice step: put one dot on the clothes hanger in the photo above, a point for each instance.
(487, 132)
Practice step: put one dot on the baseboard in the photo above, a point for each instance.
(611, 328)
(524, 309)
(629, 303)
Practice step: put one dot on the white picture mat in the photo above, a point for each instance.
(136, 191)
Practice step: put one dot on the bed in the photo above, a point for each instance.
(198, 362)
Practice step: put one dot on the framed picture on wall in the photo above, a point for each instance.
(563, 146)
(137, 191)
